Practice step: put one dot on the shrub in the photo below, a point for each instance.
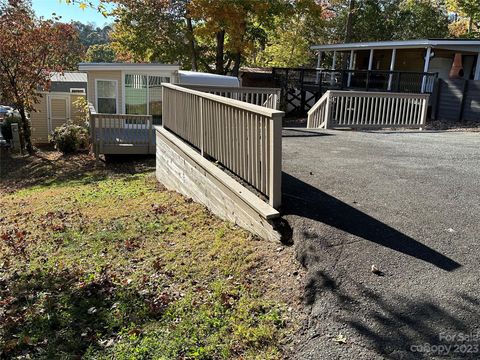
(82, 109)
(70, 138)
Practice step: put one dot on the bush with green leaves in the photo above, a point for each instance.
(69, 138)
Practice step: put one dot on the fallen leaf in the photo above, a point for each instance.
(341, 339)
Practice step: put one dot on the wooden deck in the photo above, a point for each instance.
(121, 134)
(134, 134)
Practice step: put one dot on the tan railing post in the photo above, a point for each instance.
(327, 119)
(151, 145)
(202, 132)
(275, 191)
(424, 112)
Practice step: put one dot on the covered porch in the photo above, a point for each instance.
(397, 66)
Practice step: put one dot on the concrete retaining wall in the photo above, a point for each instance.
(181, 168)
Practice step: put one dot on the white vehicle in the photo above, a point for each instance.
(200, 78)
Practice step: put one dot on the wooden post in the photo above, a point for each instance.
(101, 123)
(462, 103)
(370, 60)
(334, 64)
(202, 132)
(151, 145)
(370, 66)
(424, 112)
(327, 119)
(437, 93)
(425, 68)
(275, 176)
(302, 92)
(392, 68)
(319, 64)
(350, 67)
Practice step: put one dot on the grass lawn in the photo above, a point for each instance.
(104, 263)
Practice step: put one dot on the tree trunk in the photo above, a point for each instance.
(236, 65)
(348, 29)
(470, 25)
(26, 130)
(349, 24)
(191, 40)
(219, 52)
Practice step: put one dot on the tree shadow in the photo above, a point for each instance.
(396, 327)
(52, 168)
(298, 133)
(58, 315)
(306, 201)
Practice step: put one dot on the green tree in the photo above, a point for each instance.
(288, 41)
(469, 9)
(100, 53)
(421, 19)
(89, 34)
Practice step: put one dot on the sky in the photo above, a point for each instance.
(68, 13)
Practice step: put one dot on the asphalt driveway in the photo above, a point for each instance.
(406, 202)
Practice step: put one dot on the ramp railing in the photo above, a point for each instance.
(246, 139)
(267, 97)
(357, 109)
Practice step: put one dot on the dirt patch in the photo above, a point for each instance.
(471, 126)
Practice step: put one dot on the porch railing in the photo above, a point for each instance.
(362, 80)
(246, 139)
(354, 109)
(121, 133)
(267, 97)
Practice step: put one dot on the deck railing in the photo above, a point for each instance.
(317, 115)
(362, 80)
(246, 139)
(121, 133)
(267, 97)
(354, 109)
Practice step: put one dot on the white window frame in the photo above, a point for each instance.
(170, 75)
(116, 93)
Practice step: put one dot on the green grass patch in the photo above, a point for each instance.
(114, 268)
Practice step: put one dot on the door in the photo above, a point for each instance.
(58, 111)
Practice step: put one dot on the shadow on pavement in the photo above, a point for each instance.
(399, 329)
(306, 201)
(297, 133)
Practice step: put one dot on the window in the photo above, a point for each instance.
(106, 96)
(136, 94)
(143, 95)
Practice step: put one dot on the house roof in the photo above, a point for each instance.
(449, 44)
(68, 77)
(128, 66)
